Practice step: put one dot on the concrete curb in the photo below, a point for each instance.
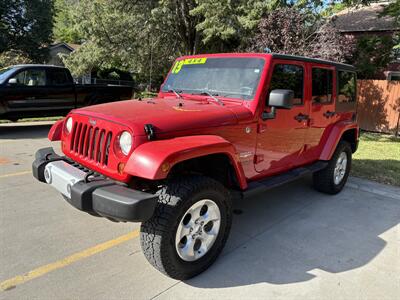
(374, 187)
(26, 124)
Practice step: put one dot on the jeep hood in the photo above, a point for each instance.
(168, 114)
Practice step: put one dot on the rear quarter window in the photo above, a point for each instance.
(346, 90)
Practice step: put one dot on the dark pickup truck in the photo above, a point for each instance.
(42, 91)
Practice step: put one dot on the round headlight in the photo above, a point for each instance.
(125, 142)
(68, 124)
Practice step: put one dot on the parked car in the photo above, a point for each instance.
(222, 126)
(43, 90)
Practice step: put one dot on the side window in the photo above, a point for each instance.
(58, 77)
(20, 77)
(322, 85)
(346, 87)
(32, 77)
(289, 77)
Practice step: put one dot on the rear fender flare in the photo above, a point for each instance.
(153, 160)
(335, 136)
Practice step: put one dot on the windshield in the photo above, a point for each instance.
(225, 77)
(4, 73)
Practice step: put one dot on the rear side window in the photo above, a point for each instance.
(346, 87)
(288, 77)
(58, 77)
(322, 83)
(346, 91)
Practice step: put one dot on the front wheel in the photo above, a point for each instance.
(189, 228)
(332, 179)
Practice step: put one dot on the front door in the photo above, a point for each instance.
(281, 140)
(30, 90)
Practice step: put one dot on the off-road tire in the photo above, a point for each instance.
(157, 235)
(324, 179)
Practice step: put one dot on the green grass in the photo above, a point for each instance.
(378, 158)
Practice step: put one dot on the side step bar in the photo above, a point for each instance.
(263, 185)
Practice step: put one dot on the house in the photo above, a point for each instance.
(58, 50)
(367, 20)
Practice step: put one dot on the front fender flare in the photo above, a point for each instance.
(55, 131)
(147, 160)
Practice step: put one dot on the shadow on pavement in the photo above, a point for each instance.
(297, 231)
(22, 131)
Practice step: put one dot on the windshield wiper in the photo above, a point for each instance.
(177, 94)
(212, 96)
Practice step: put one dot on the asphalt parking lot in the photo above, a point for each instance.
(289, 243)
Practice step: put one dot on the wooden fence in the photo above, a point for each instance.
(379, 105)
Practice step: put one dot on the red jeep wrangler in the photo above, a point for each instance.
(221, 125)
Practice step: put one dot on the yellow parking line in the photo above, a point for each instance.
(10, 283)
(16, 174)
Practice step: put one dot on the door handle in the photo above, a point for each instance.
(329, 114)
(300, 117)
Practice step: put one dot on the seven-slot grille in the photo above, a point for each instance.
(91, 142)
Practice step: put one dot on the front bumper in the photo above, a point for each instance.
(94, 195)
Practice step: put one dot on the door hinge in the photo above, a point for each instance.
(261, 128)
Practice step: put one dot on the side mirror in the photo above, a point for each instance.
(278, 99)
(281, 99)
(12, 81)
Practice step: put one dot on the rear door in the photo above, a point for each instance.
(280, 141)
(323, 97)
(60, 89)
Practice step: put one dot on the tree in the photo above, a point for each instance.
(13, 57)
(65, 29)
(292, 31)
(393, 9)
(122, 35)
(372, 55)
(26, 27)
(144, 37)
(328, 43)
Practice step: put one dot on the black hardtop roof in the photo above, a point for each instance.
(314, 60)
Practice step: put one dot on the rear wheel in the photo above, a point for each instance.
(189, 227)
(332, 179)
